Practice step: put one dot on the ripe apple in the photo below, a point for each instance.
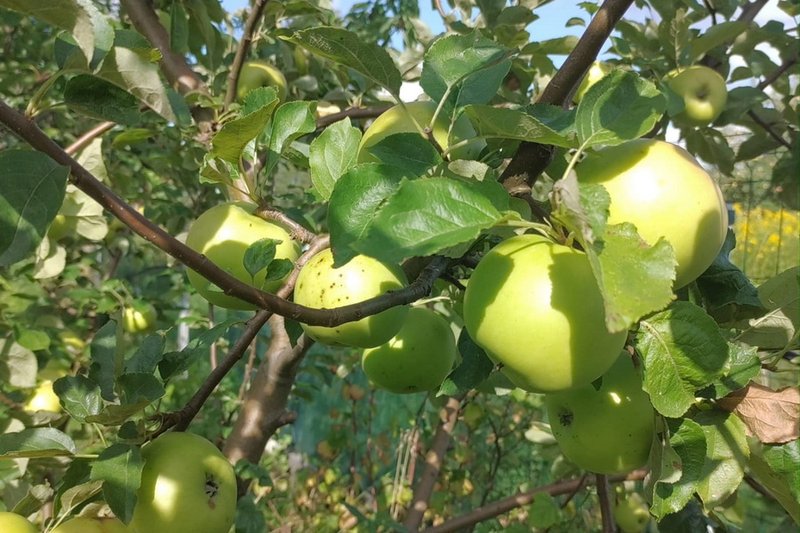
(139, 317)
(417, 359)
(256, 74)
(607, 430)
(661, 189)
(223, 234)
(535, 307)
(631, 514)
(187, 486)
(14, 523)
(84, 524)
(596, 72)
(321, 286)
(703, 91)
(399, 119)
(44, 399)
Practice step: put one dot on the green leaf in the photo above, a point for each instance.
(36, 442)
(356, 198)
(581, 207)
(79, 395)
(634, 278)
(683, 352)
(727, 293)
(620, 107)
(332, 154)
(291, 121)
(425, 216)
(34, 499)
(544, 512)
(230, 141)
(726, 456)
(100, 99)
(147, 355)
(688, 443)
(778, 469)
(119, 467)
(132, 65)
(18, 365)
(81, 18)
(469, 68)
(409, 151)
(710, 145)
(175, 362)
(473, 369)
(33, 339)
(348, 49)
(513, 124)
(744, 366)
(217, 170)
(114, 415)
(78, 494)
(32, 192)
(139, 387)
(103, 369)
(77, 473)
(259, 255)
(781, 296)
(278, 269)
(716, 35)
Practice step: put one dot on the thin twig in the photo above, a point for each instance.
(84, 140)
(352, 112)
(767, 127)
(519, 500)
(433, 464)
(250, 26)
(604, 495)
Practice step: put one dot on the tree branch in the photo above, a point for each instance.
(747, 16)
(84, 180)
(604, 495)
(174, 66)
(84, 140)
(433, 464)
(520, 500)
(352, 112)
(532, 158)
(253, 19)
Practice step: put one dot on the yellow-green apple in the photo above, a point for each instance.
(417, 358)
(187, 486)
(139, 317)
(703, 91)
(535, 307)
(44, 399)
(596, 72)
(14, 523)
(662, 190)
(321, 286)
(84, 524)
(223, 234)
(258, 73)
(608, 429)
(630, 513)
(412, 118)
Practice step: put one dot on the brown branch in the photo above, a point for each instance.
(84, 180)
(532, 158)
(768, 80)
(174, 66)
(250, 26)
(296, 230)
(84, 140)
(433, 464)
(604, 495)
(520, 500)
(767, 127)
(181, 419)
(352, 112)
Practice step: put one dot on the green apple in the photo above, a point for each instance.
(417, 358)
(321, 286)
(631, 514)
(256, 74)
(412, 118)
(14, 523)
(703, 91)
(44, 399)
(139, 317)
(607, 430)
(187, 486)
(662, 190)
(83, 524)
(596, 72)
(223, 234)
(535, 307)
(60, 227)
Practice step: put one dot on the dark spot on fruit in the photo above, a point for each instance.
(565, 418)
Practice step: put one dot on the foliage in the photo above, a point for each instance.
(82, 241)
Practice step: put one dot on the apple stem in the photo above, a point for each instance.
(604, 495)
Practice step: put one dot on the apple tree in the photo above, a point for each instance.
(385, 267)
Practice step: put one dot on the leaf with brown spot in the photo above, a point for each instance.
(772, 416)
